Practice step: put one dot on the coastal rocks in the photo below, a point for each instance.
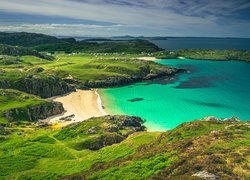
(35, 112)
(44, 87)
(232, 119)
(109, 82)
(127, 122)
(98, 132)
(210, 118)
(215, 119)
(67, 118)
(144, 74)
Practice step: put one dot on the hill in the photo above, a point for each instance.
(21, 51)
(29, 39)
(66, 72)
(130, 47)
(46, 43)
(208, 54)
(16, 106)
(211, 147)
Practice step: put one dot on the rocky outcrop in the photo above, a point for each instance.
(34, 112)
(215, 119)
(96, 133)
(44, 87)
(121, 80)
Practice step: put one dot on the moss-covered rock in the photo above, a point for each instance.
(40, 85)
(97, 133)
(16, 106)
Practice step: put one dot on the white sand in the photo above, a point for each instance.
(147, 58)
(84, 104)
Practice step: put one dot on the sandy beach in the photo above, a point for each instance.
(147, 58)
(79, 106)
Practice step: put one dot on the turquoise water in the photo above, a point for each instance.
(211, 88)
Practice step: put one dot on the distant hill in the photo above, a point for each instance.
(131, 46)
(41, 42)
(29, 39)
(20, 51)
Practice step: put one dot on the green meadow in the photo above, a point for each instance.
(44, 153)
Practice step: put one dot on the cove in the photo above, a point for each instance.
(209, 88)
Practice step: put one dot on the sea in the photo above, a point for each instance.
(209, 88)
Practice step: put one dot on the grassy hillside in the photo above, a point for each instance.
(16, 106)
(48, 78)
(206, 54)
(47, 43)
(132, 46)
(215, 147)
(29, 39)
(21, 51)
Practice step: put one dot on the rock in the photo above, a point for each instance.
(44, 87)
(35, 113)
(67, 118)
(210, 118)
(131, 121)
(38, 70)
(205, 175)
(92, 130)
(232, 119)
(99, 142)
(215, 132)
(42, 124)
(112, 128)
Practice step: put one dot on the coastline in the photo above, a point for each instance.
(147, 58)
(99, 103)
(79, 106)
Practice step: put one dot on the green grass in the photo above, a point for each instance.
(47, 154)
(81, 67)
(13, 99)
(49, 158)
(207, 54)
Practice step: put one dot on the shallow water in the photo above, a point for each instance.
(211, 88)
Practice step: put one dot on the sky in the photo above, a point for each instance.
(105, 18)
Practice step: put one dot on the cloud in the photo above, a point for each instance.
(140, 17)
(63, 29)
(97, 10)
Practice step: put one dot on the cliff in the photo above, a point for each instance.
(17, 106)
(40, 85)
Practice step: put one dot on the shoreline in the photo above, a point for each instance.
(79, 106)
(147, 58)
(99, 103)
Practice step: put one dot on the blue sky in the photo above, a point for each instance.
(210, 18)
